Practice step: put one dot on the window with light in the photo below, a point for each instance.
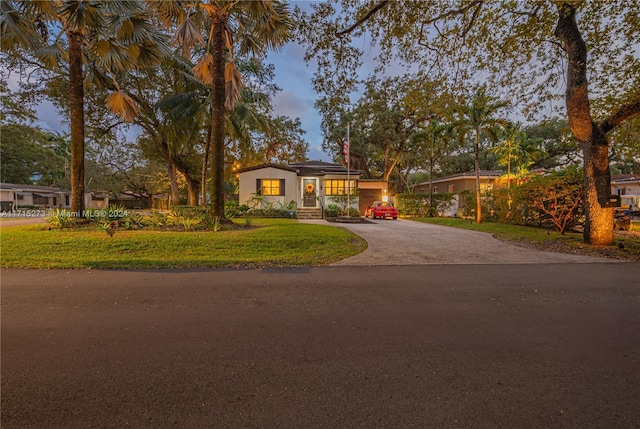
(272, 187)
(338, 186)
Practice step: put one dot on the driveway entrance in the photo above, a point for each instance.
(405, 242)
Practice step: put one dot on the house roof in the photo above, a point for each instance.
(320, 168)
(307, 168)
(29, 188)
(625, 178)
(258, 167)
(484, 174)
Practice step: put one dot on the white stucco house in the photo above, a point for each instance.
(15, 196)
(311, 185)
(627, 186)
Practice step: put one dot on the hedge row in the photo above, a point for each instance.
(423, 204)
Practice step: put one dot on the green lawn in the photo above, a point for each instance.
(270, 243)
(545, 239)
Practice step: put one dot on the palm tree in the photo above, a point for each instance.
(516, 151)
(66, 36)
(435, 137)
(479, 118)
(232, 27)
(187, 109)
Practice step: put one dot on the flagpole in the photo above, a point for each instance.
(348, 174)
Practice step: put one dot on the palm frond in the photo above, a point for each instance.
(111, 54)
(83, 16)
(169, 12)
(202, 69)
(122, 105)
(145, 56)
(52, 55)
(16, 29)
(122, 7)
(233, 84)
(187, 36)
(95, 77)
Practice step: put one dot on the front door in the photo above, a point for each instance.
(309, 192)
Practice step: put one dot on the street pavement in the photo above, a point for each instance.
(415, 346)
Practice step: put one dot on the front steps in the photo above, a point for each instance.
(309, 213)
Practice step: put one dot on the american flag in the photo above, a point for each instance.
(345, 151)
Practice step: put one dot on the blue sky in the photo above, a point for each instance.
(297, 97)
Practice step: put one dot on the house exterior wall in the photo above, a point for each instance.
(457, 185)
(329, 199)
(93, 202)
(247, 185)
(625, 188)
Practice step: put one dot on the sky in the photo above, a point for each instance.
(297, 96)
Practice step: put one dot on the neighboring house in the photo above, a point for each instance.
(627, 186)
(311, 185)
(132, 200)
(489, 179)
(15, 196)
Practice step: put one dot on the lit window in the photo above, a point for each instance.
(271, 187)
(338, 186)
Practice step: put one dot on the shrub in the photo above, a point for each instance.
(60, 218)
(187, 216)
(558, 198)
(332, 210)
(420, 204)
(157, 220)
(189, 211)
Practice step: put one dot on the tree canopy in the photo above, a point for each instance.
(538, 53)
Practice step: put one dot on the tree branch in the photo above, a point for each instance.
(359, 22)
(460, 11)
(625, 112)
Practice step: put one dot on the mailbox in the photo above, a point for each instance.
(610, 202)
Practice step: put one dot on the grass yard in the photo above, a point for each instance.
(270, 243)
(551, 241)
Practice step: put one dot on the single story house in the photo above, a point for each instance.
(489, 179)
(16, 196)
(627, 186)
(311, 186)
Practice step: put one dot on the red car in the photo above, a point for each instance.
(381, 210)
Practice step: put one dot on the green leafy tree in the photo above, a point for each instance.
(559, 197)
(559, 147)
(516, 152)
(82, 40)
(480, 119)
(281, 142)
(437, 138)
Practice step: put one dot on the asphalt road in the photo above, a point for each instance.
(432, 346)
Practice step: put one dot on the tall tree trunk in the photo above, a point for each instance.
(598, 228)
(597, 177)
(217, 117)
(205, 165)
(193, 191)
(431, 214)
(476, 163)
(76, 107)
(173, 181)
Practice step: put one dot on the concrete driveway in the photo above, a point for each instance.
(405, 242)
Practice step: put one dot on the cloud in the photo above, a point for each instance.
(287, 103)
